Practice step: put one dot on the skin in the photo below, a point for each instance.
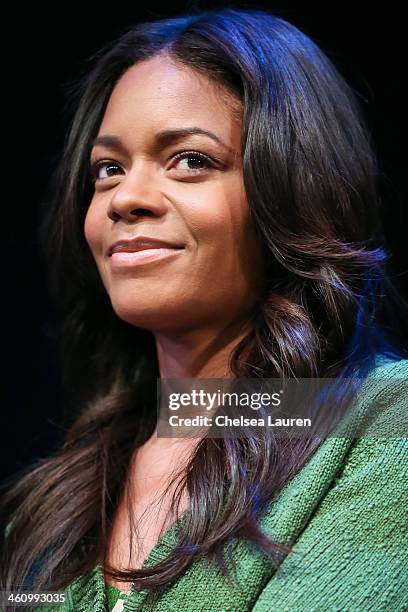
(197, 304)
(203, 296)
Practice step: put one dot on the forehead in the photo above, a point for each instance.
(159, 93)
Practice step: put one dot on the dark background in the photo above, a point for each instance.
(43, 52)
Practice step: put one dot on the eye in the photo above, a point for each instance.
(205, 163)
(197, 157)
(95, 167)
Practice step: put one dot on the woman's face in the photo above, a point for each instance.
(151, 187)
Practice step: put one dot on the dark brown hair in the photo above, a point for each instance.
(328, 307)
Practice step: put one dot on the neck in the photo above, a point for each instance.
(199, 353)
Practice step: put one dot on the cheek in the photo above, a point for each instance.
(93, 228)
(233, 248)
(225, 244)
(221, 216)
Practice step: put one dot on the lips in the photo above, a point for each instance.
(141, 243)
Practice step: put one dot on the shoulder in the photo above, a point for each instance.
(385, 367)
(350, 548)
(380, 449)
(383, 398)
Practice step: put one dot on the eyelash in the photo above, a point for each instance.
(94, 168)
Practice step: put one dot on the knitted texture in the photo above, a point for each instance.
(344, 511)
(113, 594)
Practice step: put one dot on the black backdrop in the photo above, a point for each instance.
(45, 49)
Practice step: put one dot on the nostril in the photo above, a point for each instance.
(141, 211)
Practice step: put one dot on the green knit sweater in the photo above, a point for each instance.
(345, 512)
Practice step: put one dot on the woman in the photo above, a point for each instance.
(232, 153)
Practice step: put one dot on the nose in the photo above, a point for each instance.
(135, 196)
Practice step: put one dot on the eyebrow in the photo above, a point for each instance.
(161, 139)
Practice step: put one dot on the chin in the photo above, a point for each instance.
(153, 315)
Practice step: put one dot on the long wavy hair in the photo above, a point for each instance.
(329, 305)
